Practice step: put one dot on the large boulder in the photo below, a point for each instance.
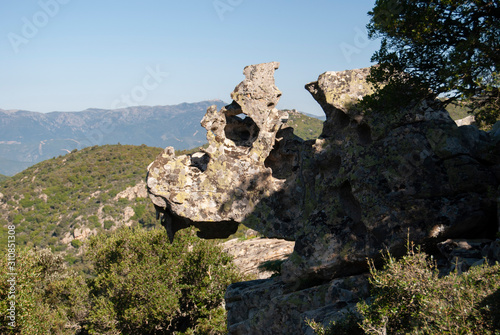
(217, 188)
(372, 181)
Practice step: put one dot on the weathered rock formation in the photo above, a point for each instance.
(371, 181)
(218, 188)
(461, 254)
(249, 255)
(132, 192)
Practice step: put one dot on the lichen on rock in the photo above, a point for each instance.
(217, 188)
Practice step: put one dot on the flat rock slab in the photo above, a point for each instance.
(248, 255)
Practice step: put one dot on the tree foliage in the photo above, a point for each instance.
(139, 284)
(448, 46)
(408, 296)
(145, 285)
(49, 298)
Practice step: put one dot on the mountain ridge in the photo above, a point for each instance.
(27, 137)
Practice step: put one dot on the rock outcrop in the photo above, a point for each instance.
(466, 121)
(270, 307)
(249, 255)
(218, 188)
(132, 192)
(462, 254)
(371, 181)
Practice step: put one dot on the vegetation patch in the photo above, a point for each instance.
(409, 297)
(2, 177)
(49, 200)
(138, 283)
(305, 127)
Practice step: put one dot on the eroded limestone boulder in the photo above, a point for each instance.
(370, 182)
(217, 188)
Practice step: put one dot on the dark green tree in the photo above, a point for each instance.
(446, 48)
(145, 285)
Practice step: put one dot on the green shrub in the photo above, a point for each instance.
(26, 203)
(108, 224)
(49, 298)
(108, 209)
(76, 243)
(70, 259)
(17, 219)
(410, 297)
(142, 283)
(139, 211)
(123, 201)
(60, 247)
(95, 225)
(93, 219)
(144, 213)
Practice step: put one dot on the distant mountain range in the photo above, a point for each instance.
(27, 138)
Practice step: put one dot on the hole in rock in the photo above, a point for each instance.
(242, 131)
(282, 161)
(200, 160)
(365, 134)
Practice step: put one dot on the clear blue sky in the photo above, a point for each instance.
(70, 55)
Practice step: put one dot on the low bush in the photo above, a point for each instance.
(409, 297)
(143, 284)
(48, 298)
(137, 283)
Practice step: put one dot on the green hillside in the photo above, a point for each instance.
(58, 203)
(2, 178)
(305, 127)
